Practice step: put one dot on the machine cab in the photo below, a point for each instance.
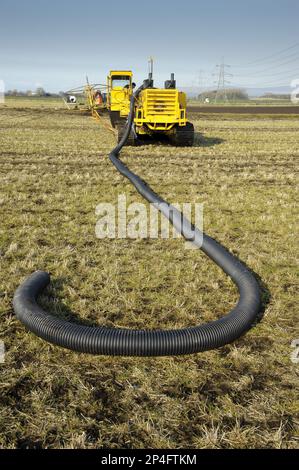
(118, 80)
(120, 89)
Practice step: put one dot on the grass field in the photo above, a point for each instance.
(54, 171)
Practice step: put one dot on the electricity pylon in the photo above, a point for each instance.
(222, 81)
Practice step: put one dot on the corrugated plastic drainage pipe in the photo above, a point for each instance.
(129, 342)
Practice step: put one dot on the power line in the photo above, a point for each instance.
(263, 84)
(286, 73)
(273, 67)
(286, 80)
(271, 61)
(263, 59)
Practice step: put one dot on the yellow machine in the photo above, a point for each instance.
(158, 111)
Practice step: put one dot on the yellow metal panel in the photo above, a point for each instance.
(160, 110)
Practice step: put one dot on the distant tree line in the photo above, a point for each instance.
(39, 92)
(231, 94)
(277, 96)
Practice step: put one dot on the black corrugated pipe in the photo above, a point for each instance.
(126, 342)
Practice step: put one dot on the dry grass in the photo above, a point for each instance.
(53, 172)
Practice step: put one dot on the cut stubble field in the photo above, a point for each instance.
(54, 171)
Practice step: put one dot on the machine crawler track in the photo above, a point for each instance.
(183, 136)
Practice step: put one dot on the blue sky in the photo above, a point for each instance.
(56, 43)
